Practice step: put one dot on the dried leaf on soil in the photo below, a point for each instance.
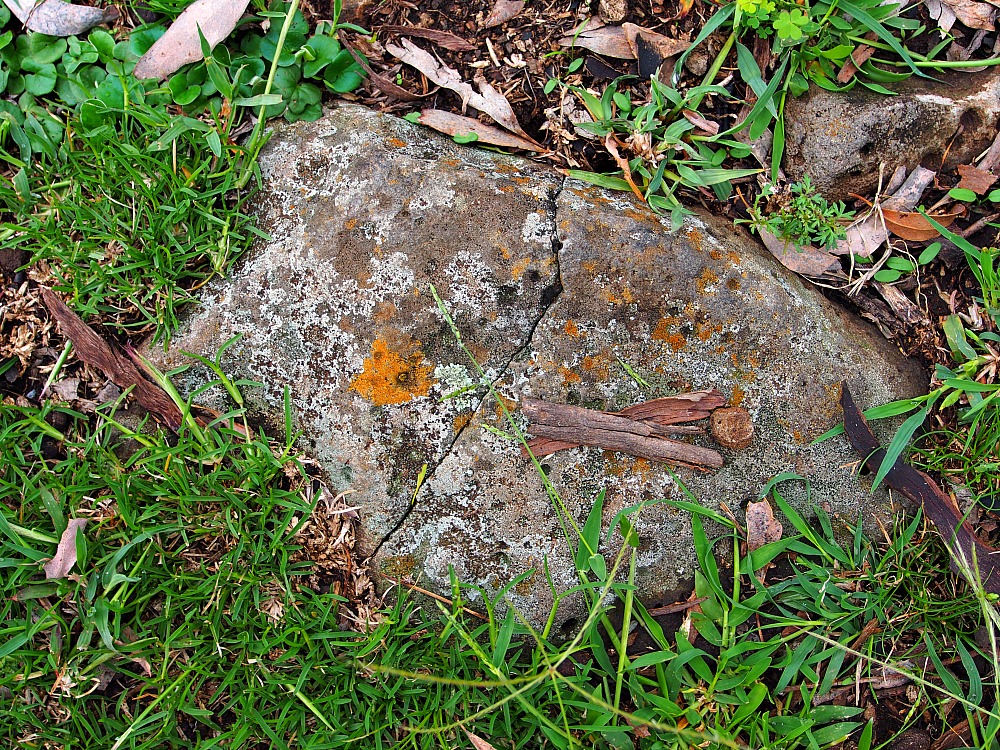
(867, 236)
(477, 742)
(95, 351)
(621, 41)
(975, 15)
(441, 38)
(941, 13)
(809, 261)
(452, 124)
(979, 181)
(968, 553)
(380, 82)
(490, 101)
(181, 44)
(503, 11)
(911, 225)
(707, 126)
(65, 557)
(57, 18)
(762, 527)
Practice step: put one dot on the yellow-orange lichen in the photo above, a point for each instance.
(460, 422)
(396, 143)
(571, 329)
(738, 395)
(707, 278)
(674, 339)
(569, 376)
(518, 269)
(392, 377)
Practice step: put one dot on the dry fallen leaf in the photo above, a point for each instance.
(975, 15)
(95, 351)
(57, 18)
(452, 124)
(440, 38)
(762, 527)
(622, 41)
(503, 11)
(857, 58)
(489, 101)
(979, 181)
(809, 261)
(477, 742)
(911, 225)
(65, 557)
(941, 13)
(867, 236)
(181, 44)
(707, 126)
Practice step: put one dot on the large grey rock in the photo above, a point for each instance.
(839, 139)
(555, 286)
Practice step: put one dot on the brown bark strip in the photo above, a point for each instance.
(957, 532)
(669, 410)
(564, 423)
(94, 350)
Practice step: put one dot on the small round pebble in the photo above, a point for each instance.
(732, 428)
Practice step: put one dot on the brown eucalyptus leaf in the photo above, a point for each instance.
(610, 41)
(664, 45)
(65, 557)
(95, 351)
(808, 261)
(440, 38)
(979, 181)
(975, 15)
(911, 225)
(970, 556)
(489, 101)
(452, 124)
(181, 44)
(502, 11)
(762, 527)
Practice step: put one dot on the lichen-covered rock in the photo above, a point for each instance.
(839, 139)
(560, 291)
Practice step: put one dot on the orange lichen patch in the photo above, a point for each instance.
(506, 169)
(520, 180)
(674, 339)
(572, 329)
(704, 331)
(519, 268)
(707, 278)
(738, 395)
(498, 410)
(451, 162)
(733, 257)
(396, 143)
(391, 377)
(569, 376)
(590, 266)
(623, 297)
(695, 238)
(504, 252)
(620, 464)
(350, 224)
(597, 364)
(732, 284)
(715, 254)
(460, 422)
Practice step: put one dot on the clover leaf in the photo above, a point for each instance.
(788, 25)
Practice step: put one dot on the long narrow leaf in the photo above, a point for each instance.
(882, 32)
(898, 444)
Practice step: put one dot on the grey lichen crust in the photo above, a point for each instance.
(557, 288)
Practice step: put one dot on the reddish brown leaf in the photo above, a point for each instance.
(968, 553)
(610, 41)
(977, 180)
(65, 557)
(664, 45)
(503, 11)
(762, 527)
(911, 225)
(181, 43)
(95, 351)
(857, 58)
(440, 38)
(452, 124)
(712, 128)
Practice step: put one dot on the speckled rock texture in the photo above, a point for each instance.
(839, 139)
(556, 287)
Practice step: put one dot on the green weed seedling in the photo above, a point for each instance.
(799, 215)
